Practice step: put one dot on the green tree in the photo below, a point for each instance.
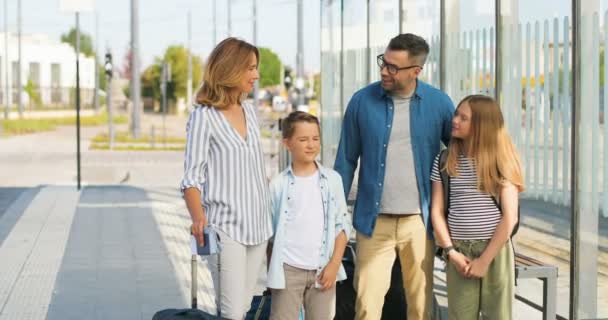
(86, 42)
(33, 92)
(102, 77)
(270, 68)
(86, 48)
(177, 57)
(150, 81)
(317, 85)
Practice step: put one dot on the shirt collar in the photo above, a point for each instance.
(322, 170)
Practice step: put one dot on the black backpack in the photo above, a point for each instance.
(445, 182)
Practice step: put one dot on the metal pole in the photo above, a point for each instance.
(584, 213)
(78, 100)
(342, 104)
(229, 2)
(19, 84)
(300, 53)
(368, 49)
(109, 104)
(189, 83)
(214, 23)
(96, 92)
(163, 90)
(135, 81)
(400, 16)
(575, 240)
(442, 46)
(255, 43)
(498, 50)
(6, 66)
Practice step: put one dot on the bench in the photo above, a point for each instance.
(527, 268)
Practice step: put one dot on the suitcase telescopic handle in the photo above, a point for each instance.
(194, 281)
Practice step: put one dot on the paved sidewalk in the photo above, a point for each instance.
(115, 252)
(107, 252)
(31, 254)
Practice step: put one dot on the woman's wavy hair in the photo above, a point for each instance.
(224, 71)
(495, 156)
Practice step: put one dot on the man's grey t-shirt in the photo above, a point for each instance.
(400, 193)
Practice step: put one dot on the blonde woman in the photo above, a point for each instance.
(224, 182)
(485, 179)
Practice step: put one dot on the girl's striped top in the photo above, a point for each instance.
(229, 171)
(473, 215)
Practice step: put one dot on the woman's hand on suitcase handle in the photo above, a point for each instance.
(197, 228)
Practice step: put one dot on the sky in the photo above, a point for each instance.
(164, 22)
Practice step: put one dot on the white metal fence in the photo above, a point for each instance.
(536, 98)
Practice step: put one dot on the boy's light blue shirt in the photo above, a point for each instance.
(336, 220)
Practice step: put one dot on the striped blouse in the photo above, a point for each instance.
(472, 213)
(230, 173)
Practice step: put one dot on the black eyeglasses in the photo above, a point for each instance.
(392, 69)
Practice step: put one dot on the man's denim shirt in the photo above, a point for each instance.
(366, 130)
(336, 219)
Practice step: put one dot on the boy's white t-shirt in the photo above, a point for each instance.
(304, 227)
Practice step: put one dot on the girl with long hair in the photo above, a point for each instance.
(474, 231)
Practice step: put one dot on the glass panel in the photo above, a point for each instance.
(34, 75)
(55, 83)
(536, 70)
(355, 48)
(383, 26)
(470, 48)
(331, 84)
(422, 17)
(592, 171)
(34, 93)
(15, 71)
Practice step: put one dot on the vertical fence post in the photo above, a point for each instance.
(546, 111)
(605, 124)
(484, 84)
(537, 109)
(492, 62)
(595, 121)
(527, 154)
(566, 113)
(555, 111)
(518, 87)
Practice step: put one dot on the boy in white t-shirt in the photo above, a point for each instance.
(311, 227)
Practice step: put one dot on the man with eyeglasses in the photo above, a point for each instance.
(394, 128)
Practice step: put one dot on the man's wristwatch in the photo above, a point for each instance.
(446, 252)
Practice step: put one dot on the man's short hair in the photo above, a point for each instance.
(289, 123)
(416, 46)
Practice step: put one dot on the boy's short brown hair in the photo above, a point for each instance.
(289, 124)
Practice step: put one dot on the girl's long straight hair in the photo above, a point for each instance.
(494, 154)
(223, 72)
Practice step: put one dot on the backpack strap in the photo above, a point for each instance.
(445, 180)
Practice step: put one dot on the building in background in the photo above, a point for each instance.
(48, 72)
